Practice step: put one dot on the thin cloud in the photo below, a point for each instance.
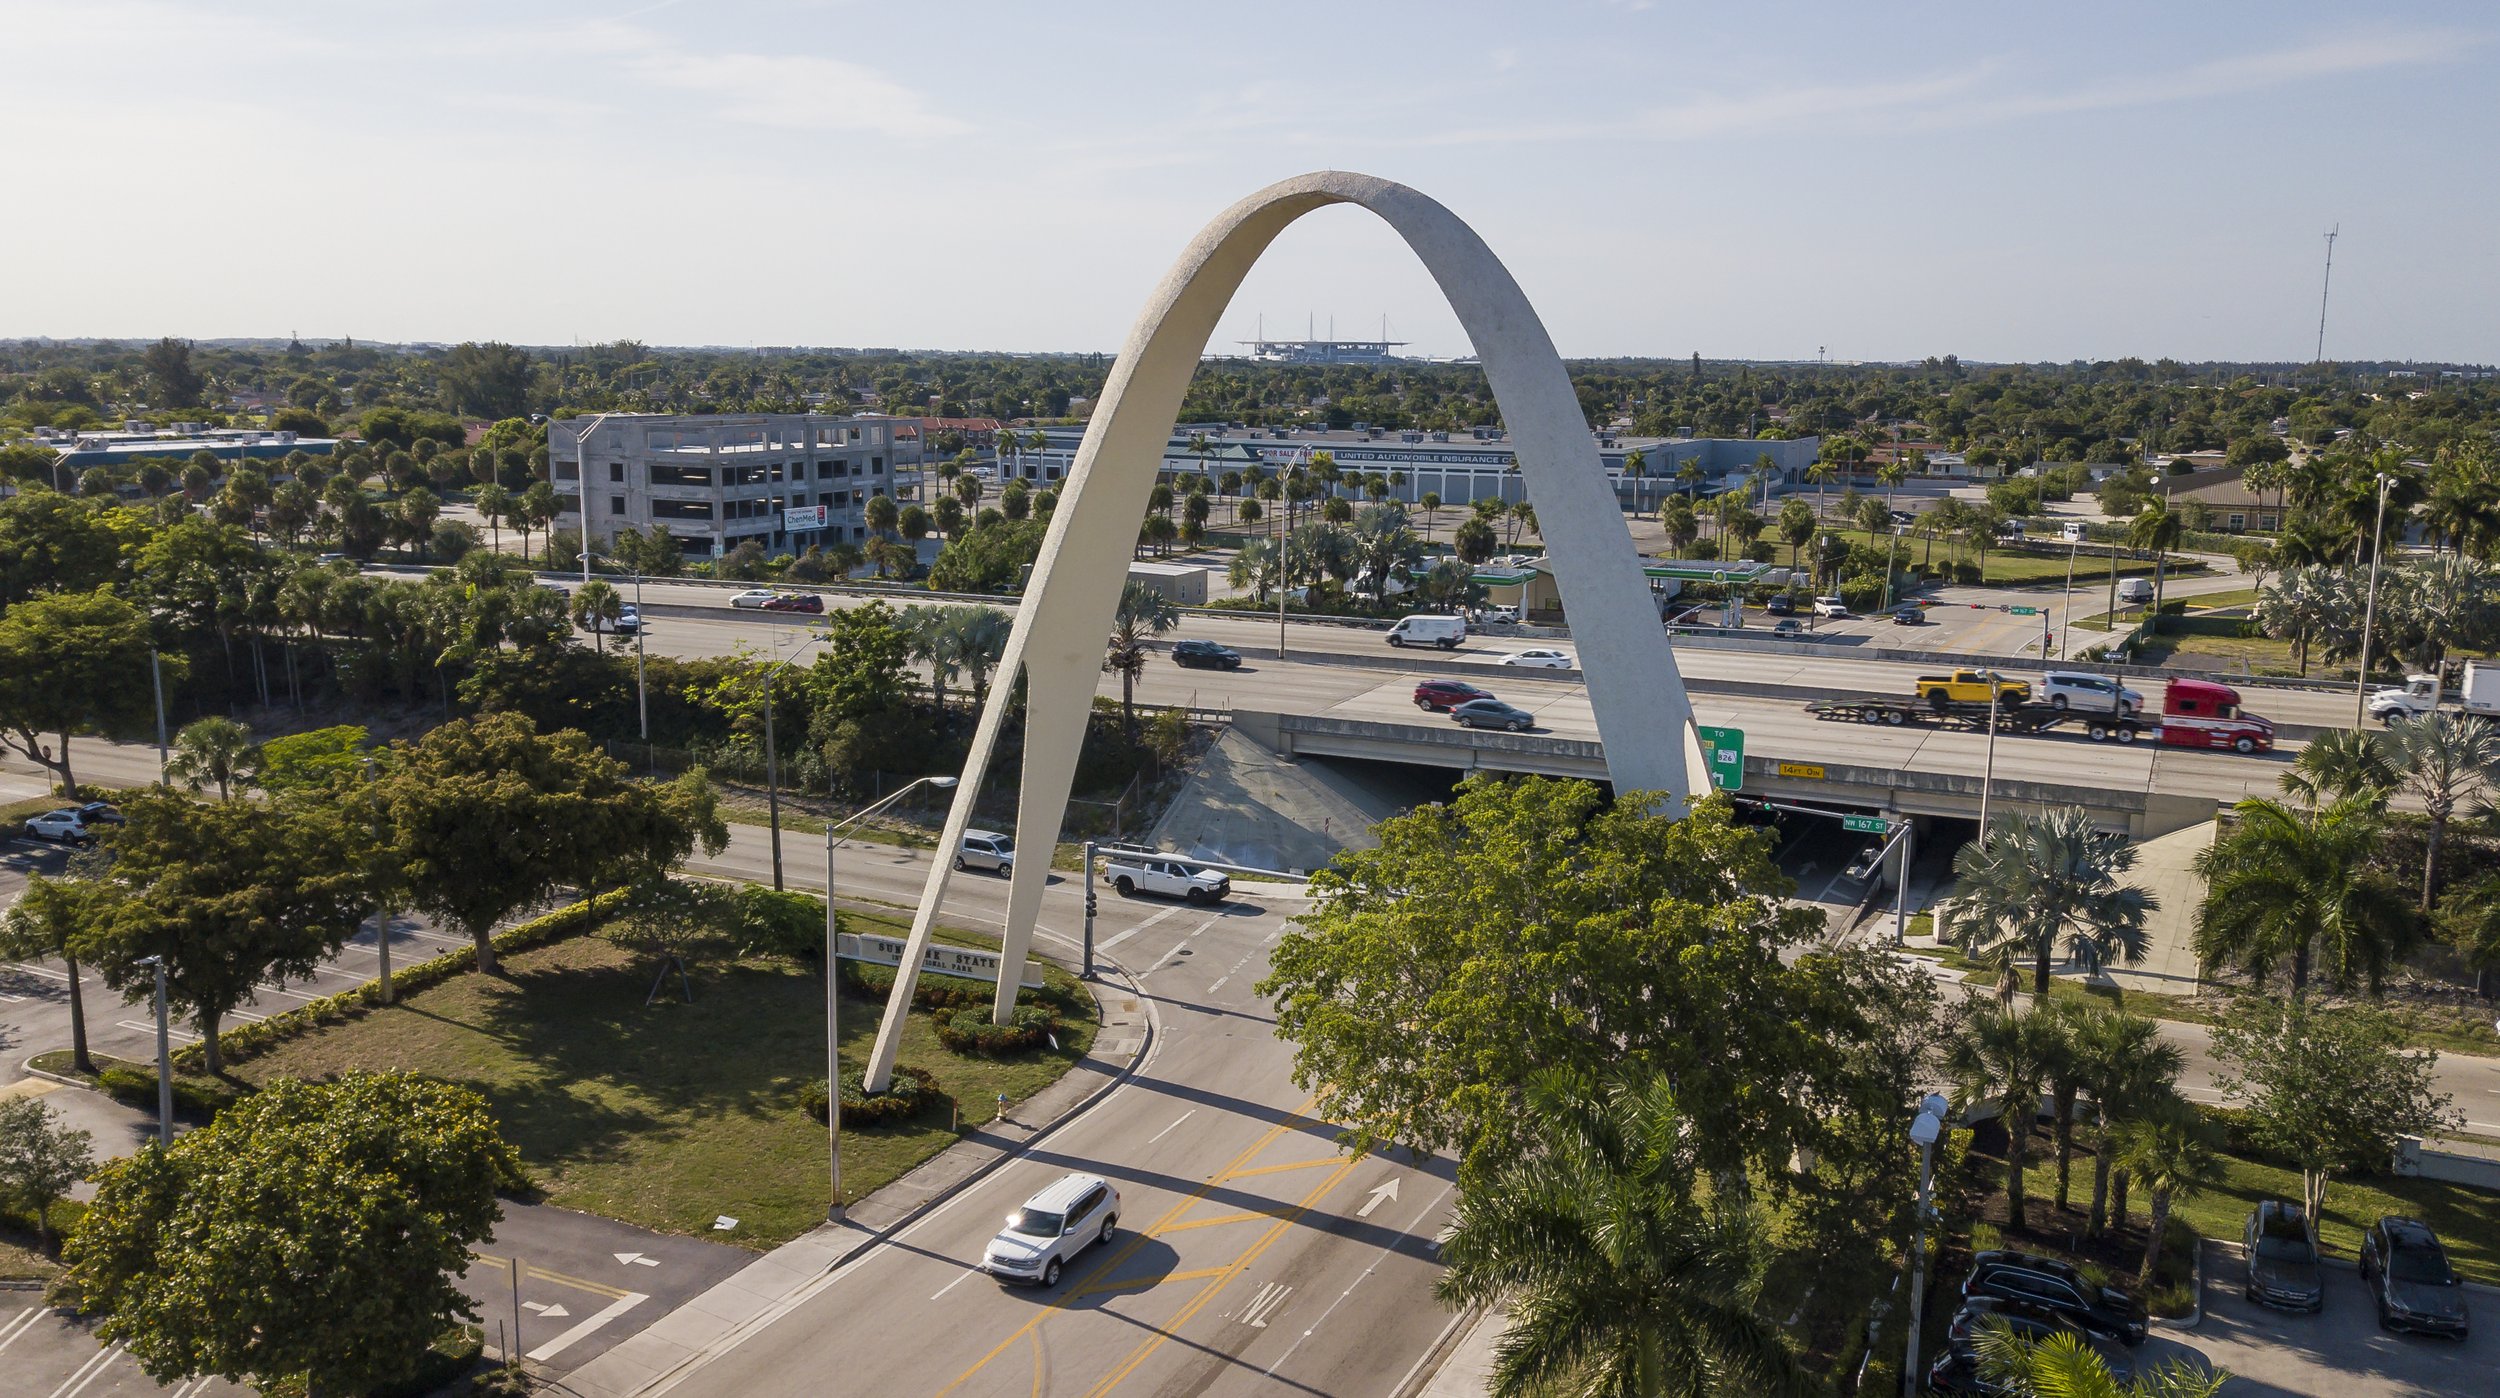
(793, 92)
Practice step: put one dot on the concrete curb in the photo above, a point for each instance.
(2196, 1288)
(769, 1287)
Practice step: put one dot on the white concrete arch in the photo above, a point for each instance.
(1642, 713)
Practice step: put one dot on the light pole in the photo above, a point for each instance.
(1890, 550)
(833, 995)
(1988, 777)
(382, 912)
(642, 695)
(2066, 610)
(164, 1060)
(772, 756)
(2369, 610)
(1926, 1131)
(156, 673)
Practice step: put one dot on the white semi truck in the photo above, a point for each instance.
(2479, 693)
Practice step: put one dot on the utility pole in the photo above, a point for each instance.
(2325, 284)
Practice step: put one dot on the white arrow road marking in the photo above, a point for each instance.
(1262, 1307)
(634, 1259)
(550, 1312)
(1386, 1192)
(583, 1331)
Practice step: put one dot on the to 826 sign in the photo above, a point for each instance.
(1723, 751)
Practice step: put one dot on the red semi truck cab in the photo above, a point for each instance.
(2201, 714)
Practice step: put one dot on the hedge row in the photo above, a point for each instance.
(249, 1040)
(1034, 1027)
(931, 994)
(137, 1087)
(911, 1091)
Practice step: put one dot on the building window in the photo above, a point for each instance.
(876, 464)
(681, 475)
(2239, 522)
(616, 473)
(616, 504)
(682, 509)
(568, 471)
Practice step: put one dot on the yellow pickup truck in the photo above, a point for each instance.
(1972, 687)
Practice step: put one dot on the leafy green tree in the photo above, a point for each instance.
(2170, 1152)
(2064, 1366)
(2006, 1056)
(311, 1234)
(176, 383)
(2046, 880)
(1474, 540)
(491, 816)
(2329, 1091)
(1796, 526)
(487, 380)
(303, 761)
(1143, 612)
(229, 895)
(51, 542)
(71, 663)
(212, 751)
(1528, 924)
(2285, 885)
(50, 919)
(1622, 1271)
(40, 1158)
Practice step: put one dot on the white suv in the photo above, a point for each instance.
(1055, 1225)
(1831, 607)
(61, 827)
(1133, 872)
(987, 849)
(2088, 693)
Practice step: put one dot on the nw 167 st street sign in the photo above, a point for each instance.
(1865, 824)
(1724, 751)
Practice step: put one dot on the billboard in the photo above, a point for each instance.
(798, 517)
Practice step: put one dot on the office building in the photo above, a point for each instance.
(719, 481)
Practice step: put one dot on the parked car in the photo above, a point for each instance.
(2282, 1261)
(2088, 693)
(1790, 629)
(2071, 532)
(1132, 872)
(1507, 616)
(2106, 1314)
(986, 849)
(1539, 660)
(1956, 1370)
(2408, 1275)
(100, 813)
(1422, 629)
(753, 597)
(626, 622)
(1072, 1214)
(1493, 713)
(62, 827)
(1440, 696)
(794, 602)
(1831, 608)
(1781, 604)
(1205, 655)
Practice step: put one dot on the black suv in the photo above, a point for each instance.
(1205, 655)
(1781, 604)
(1956, 1370)
(2104, 1313)
(2408, 1274)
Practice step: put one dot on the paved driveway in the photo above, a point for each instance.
(2337, 1353)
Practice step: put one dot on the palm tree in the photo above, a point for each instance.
(1622, 1275)
(596, 607)
(2290, 885)
(980, 644)
(2039, 881)
(2337, 765)
(2170, 1152)
(2064, 1021)
(2006, 1056)
(212, 749)
(2064, 1366)
(928, 630)
(1823, 472)
(1636, 465)
(2438, 757)
(2126, 1067)
(494, 503)
(1430, 504)
(1143, 612)
(1891, 473)
(2155, 527)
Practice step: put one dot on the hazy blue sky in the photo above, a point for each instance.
(2002, 181)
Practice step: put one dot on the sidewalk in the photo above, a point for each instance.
(772, 1284)
(1466, 1371)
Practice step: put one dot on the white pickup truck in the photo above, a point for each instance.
(2420, 694)
(1140, 871)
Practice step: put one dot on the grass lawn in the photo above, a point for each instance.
(668, 1114)
(2010, 567)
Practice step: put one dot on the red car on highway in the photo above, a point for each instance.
(795, 602)
(1441, 696)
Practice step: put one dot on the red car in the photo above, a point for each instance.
(1441, 696)
(795, 602)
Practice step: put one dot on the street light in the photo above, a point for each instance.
(2369, 611)
(1925, 1132)
(772, 754)
(833, 997)
(164, 1060)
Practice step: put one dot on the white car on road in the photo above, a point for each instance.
(987, 849)
(1539, 660)
(1132, 872)
(63, 827)
(1044, 1236)
(752, 597)
(1831, 607)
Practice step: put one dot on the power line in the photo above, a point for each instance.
(2324, 285)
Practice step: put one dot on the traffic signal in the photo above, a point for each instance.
(1090, 908)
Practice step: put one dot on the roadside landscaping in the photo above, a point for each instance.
(670, 1114)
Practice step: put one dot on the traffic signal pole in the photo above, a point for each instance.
(1089, 910)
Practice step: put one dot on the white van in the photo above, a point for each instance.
(2135, 590)
(2071, 532)
(1421, 630)
(2088, 693)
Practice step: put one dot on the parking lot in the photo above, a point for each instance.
(46, 1354)
(2338, 1353)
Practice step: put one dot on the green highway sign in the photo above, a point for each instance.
(1865, 825)
(2024, 611)
(1724, 749)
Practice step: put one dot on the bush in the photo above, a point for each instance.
(1862, 594)
(779, 923)
(1033, 1027)
(1966, 572)
(930, 994)
(137, 1087)
(503, 1381)
(911, 1091)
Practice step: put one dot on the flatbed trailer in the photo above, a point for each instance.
(2010, 718)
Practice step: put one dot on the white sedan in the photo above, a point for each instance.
(752, 597)
(1539, 660)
